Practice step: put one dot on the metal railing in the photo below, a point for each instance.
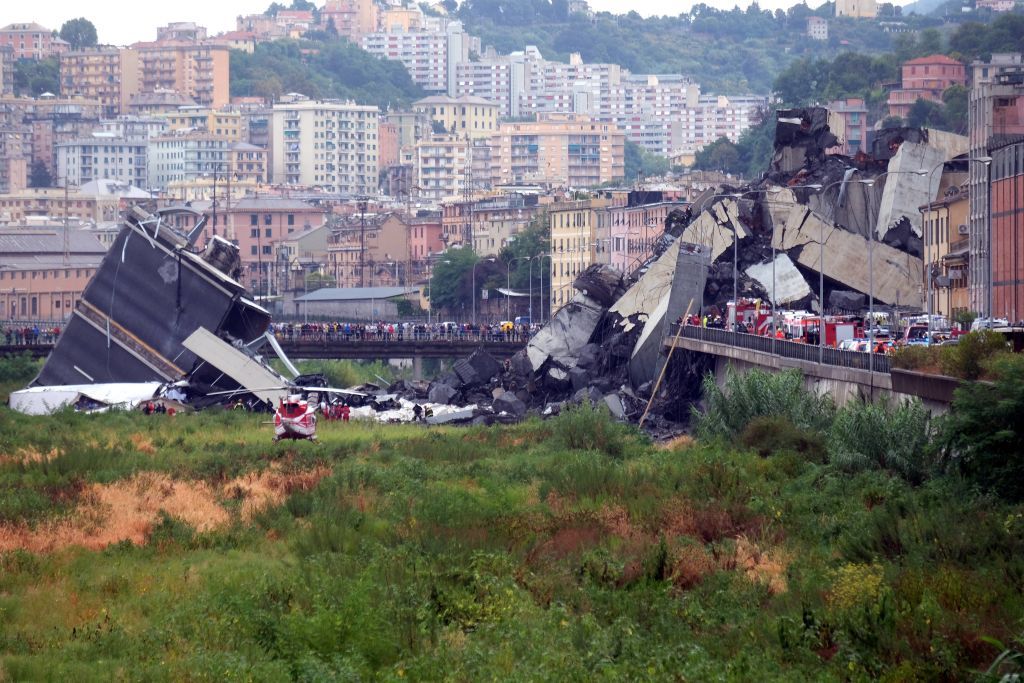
(857, 360)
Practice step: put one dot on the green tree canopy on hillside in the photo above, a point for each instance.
(34, 77)
(79, 32)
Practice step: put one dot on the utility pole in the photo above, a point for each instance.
(67, 240)
(361, 204)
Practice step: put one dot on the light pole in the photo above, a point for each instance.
(508, 284)
(474, 285)
(540, 269)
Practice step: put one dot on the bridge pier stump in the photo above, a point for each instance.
(417, 368)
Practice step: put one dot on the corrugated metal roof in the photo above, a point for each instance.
(29, 241)
(356, 293)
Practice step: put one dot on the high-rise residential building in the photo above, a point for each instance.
(102, 158)
(442, 166)
(199, 70)
(925, 78)
(558, 150)
(32, 41)
(430, 57)
(465, 116)
(107, 74)
(995, 114)
(186, 156)
(352, 19)
(50, 120)
(332, 145)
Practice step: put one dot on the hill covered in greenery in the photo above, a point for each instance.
(322, 68)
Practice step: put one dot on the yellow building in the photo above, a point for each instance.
(558, 150)
(945, 250)
(226, 124)
(107, 74)
(573, 239)
(463, 116)
(198, 70)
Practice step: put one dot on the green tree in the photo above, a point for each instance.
(79, 32)
(39, 176)
(451, 280)
(33, 77)
(640, 161)
(524, 255)
(721, 155)
(926, 114)
(955, 100)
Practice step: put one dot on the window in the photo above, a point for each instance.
(267, 249)
(269, 232)
(291, 219)
(252, 250)
(267, 219)
(254, 232)
(254, 220)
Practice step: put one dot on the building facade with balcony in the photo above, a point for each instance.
(573, 228)
(332, 145)
(925, 78)
(465, 116)
(366, 250)
(32, 41)
(107, 74)
(443, 167)
(103, 158)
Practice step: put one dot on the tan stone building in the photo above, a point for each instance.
(227, 124)
(573, 235)
(558, 150)
(199, 70)
(945, 250)
(465, 116)
(107, 74)
(858, 9)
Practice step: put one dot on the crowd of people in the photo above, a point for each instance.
(34, 334)
(400, 331)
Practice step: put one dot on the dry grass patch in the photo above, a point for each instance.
(767, 567)
(142, 443)
(679, 443)
(270, 487)
(25, 456)
(122, 511)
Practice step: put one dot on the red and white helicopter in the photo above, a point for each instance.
(295, 418)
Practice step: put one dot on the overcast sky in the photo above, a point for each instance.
(121, 22)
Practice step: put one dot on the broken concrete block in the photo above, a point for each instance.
(589, 357)
(615, 407)
(557, 379)
(783, 277)
(455, 416)
(590, 394)
(508, 403)
(600, 282)
(905, 190)
(569, 329)
(441, 393)
(579, 378)
(466, 372)
(897, 275)
(485, 365)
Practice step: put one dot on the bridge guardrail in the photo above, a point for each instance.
(857, 360)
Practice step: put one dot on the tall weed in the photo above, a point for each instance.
(883, 436)
(757, 393)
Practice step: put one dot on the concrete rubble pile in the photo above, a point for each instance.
(852, 220)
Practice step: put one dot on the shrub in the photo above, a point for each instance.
(916, 357)
(771, 434)
(882, 436)
(587, 428)
(19, 368)
(758, 393)
(966, 359)
(982, 433)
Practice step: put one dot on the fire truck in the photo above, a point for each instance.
(803, 326)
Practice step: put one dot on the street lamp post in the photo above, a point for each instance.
(540, 269)
(508, 284)
(491, 260)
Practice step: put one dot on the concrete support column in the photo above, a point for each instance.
(417, 368)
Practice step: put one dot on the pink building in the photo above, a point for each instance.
(633, 230)
(425, 237)
(32, 41)
(925, 78)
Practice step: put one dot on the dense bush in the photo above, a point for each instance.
(983, 435)
(586, 427)
(757, 393)
(896, 438)
(19, 368)
(966, 359)
(915, 357)
(772, 434)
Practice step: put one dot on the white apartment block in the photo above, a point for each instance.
(332, 145)
(443, 166)
(180, 158)
(430, 57)
(102, 158)
(133, 127)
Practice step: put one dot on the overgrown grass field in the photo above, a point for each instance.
(192, 548)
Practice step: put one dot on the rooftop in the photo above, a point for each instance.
(356, 293)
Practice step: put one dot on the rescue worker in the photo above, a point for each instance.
(345, 411)
(417, 413)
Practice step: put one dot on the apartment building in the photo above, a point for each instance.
(817, 28)
(101, 158)
(925, 78)
(556, 150)
(430, 57)
(199, 70)
(32, 41)
(160, 102)
(425, 238)
(49, 120)
(848, 120)
(488, 223)
(42, 274)
(6, 71)
(226, 124)
(352, 19)
(1008, 227)
(633, 227)
(465, 116)
(332, 145)
(945, 251)
(995, 114)
(364, 250)
(442, 166)
(178, 161)
(92, 203)
(573, 226)
(133, 127)
(107, 74)
(14, 157)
